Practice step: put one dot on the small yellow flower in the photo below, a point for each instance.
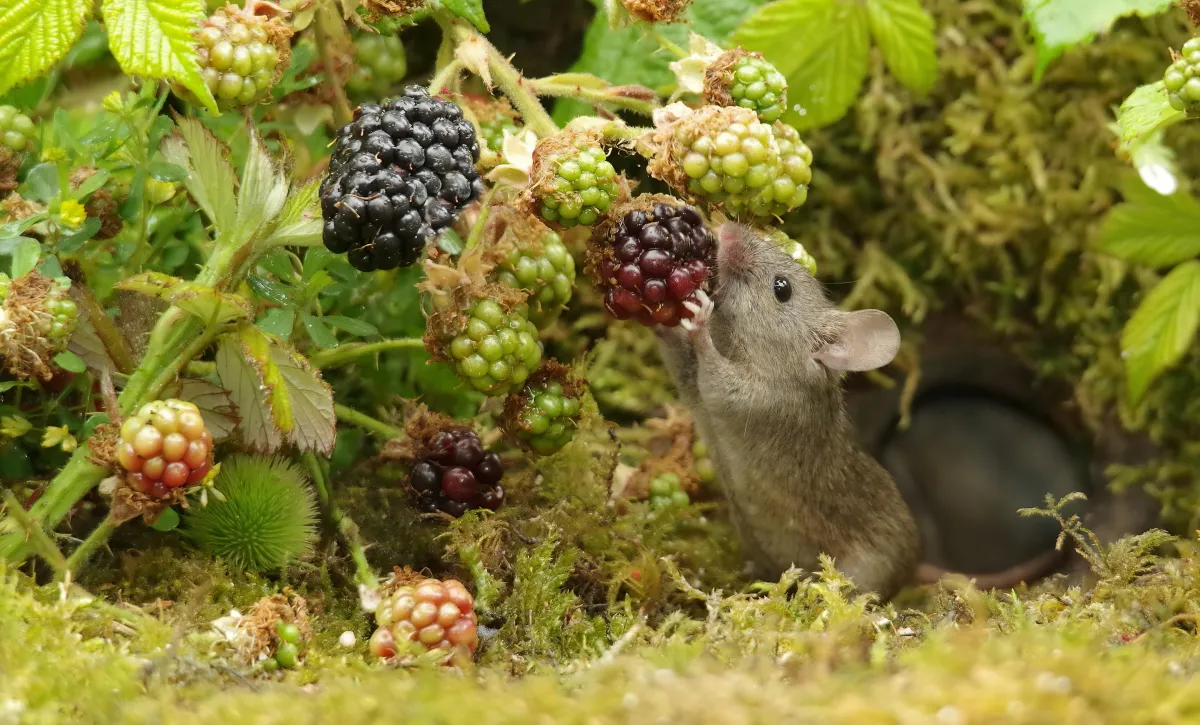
(113, 103)
(72, 214)
(53, 154)
(59, 436)
(14, 426)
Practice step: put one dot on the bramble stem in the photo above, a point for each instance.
(349, 415)
(36, 538)
(595, 96)
(342, 112)
(445, 76)
(343, 354)
(98, 538)
(114, 342)
(346, 528)
(664, 42)
(503, 73)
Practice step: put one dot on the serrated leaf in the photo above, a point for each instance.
(299, 223)
(36, 34)
(264, 188)
(215, 404)
(904, 32)
(826, 71)
(70, 362)
(469, 10)
(1145, 112)
(318, 331)
(350, 325)
(211, 180)
(311, 402)
(1162, 328)
(278, 322)
(1060, 24)
(244, 383)
(1151, 228)
(153, 39)
(270, 290)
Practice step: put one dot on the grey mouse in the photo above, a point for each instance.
(761, 366)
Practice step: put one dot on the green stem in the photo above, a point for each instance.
(664, 42)
(346, 528)
(504, 74)
(71, 484)
(342, 112)
(349, 415)
(106, 330)
(350, 352)
(445, 76)
(598, 96)
(98, 538)
(36, 538)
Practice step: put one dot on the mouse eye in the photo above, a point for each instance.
(783, 289)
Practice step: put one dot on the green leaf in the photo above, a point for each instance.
(904, 32)
(36, 34)
(1060, 24)
(167, 172)
(299, 222)
(42, 182)
(76, 239)
(310, 400)
(1151, 228)
(264, 189)
(318, 331)
(316, 260)
(168, 520)
(92, 183)
(826, 68)
(270, 290)
(25, 257)
(153, 39)
(241, 375)
(210, 177)
(469, 10)
(1145, 112)
(350, 325)
(216, 407)
(69, 361)
(278, 322)
(215, 308)
(1162, 327)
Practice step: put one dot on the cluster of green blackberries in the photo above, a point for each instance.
(380, 63)
(582, 189)
(16, 129)
(546, 270)
(457, 475)
(755, 84)
(654, 261)
(238, 57)
(666, 492)
(287, 648)
(1182, 78)
(498, 349)
(706, 472)
(492, 131)
(400, 173)
(542, 417)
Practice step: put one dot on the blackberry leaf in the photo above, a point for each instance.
(36, 34)
(1145, 112)
(904, 32)
(469, 10)
(1162, 328)
(1151, 228)
(153, 39)
(1060, 24)
(211, 180)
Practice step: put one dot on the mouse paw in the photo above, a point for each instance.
(701, 313)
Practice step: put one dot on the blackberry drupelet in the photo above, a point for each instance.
(400, 173)
(1182, 78)
(17, 131)
(457, 475)
(652, 261)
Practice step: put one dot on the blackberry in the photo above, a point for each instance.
(16, 129)
(457, 475)
(432, 615)
(400, 173)
(164, 446)
(666, 492)
(706, 472)
(652, 261)
(738, 78)
(241, 55)
(546, 270)
(543, 416)
(1182, 78)
(795, 250)
(37, 319)
(497, 349)
(381, 64)
(729, 157)
(574, 184)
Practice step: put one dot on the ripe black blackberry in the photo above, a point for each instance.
(457, 474)
(400, 173)
(652, 261)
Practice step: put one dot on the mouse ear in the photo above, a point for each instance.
(868, 340)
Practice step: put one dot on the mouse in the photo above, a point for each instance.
(760, 364)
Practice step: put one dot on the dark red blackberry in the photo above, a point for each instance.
(457, 475)
(652, 261)
(400, 173)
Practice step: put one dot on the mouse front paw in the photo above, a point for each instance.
(701, 311)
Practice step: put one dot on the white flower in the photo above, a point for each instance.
(689, 72)
(517, 152)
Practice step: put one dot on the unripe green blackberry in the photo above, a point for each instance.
(543, 416)
(17, 131)
(546, 270)
(666, 492)
(491, 132)
(495, 346)
(706, 472)
(728, 157)
(738, 78)
(795, 250)
(572, 181)
(37, 319)
(380, 65)
(241, 55)
(1182, 78)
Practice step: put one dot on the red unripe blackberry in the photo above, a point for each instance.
(652, 261)
(457, 475)
(164, 446)
(432, 615)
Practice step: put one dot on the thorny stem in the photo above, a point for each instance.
(601, 96)
(504, 74)
(37, 539)
(446, 76)
(114, 342)
(343, 354)
(342, 111)
(98, 538)
(349, 415)
(346, 528)
(664, 42)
